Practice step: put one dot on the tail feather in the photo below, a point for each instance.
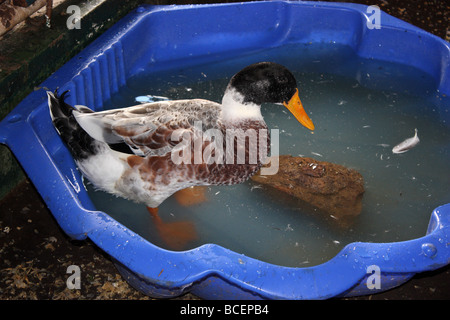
(79, 142)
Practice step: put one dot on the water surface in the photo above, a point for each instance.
(361, 109)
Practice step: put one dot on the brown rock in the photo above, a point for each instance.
(329, 187)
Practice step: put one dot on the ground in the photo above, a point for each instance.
(35, 254)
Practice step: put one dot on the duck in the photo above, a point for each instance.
(148, 152)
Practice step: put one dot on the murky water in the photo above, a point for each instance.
(361, 109)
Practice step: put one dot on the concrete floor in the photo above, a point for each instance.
(35, 253)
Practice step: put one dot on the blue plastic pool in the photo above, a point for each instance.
(157, 38)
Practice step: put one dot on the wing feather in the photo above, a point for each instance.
(148, 128)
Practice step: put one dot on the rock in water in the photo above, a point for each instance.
(329, 187)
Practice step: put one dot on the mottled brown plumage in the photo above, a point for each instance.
(135, 152)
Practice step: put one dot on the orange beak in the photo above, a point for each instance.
(296, 108)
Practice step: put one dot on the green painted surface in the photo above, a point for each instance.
(30, 55)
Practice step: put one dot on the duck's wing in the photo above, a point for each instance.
(148, 129)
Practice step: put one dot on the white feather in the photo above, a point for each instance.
(407, 144)
(104, 168)
(96, 126)
(235, 110)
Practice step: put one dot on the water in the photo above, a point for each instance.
(361, 109)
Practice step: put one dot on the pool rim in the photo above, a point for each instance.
(240, 277)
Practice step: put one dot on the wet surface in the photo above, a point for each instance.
(431, 16)
(35, 252)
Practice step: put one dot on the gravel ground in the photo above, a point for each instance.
(35, 252)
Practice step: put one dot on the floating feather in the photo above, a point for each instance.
(407, 144)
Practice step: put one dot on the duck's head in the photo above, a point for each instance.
(263, 82)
